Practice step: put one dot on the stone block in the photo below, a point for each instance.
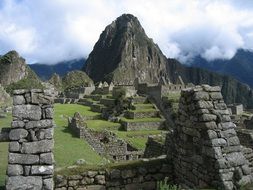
(30, 112)
(48, 184)
(207, 117)
(14, 170)
(211, 88)
(95, 187)
(17, 124)
(100, 179)
(49, 112)
(42, 170)
(45, 123)
(15, 158)
(27, 170)
(127, 173)
(37, 147)
(24, 183)
(18, 100)
(200, 95)
(233, 141)
(17, 134)
(115, 174)
(39, 98)
(14, 146)
(216, 95)
(204, 105)
(47, 158)
(236, 159)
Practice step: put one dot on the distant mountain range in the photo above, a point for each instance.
(239, 67)
(45, 71)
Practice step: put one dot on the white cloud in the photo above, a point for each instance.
(51, 31)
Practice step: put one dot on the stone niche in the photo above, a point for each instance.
(207, 151)
(30, 164)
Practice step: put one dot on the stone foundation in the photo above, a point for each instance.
(30, 164)
(139, 176)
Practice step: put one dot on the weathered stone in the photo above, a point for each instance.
(246, 169)
(24, 183)
(42, 170)
(49, 112)
(236, 159)
(14, 170)
(204, 104)
(127, 173)
(46, 123)
(100, 179)
(60, 181)
(73, 183)
(19, 91)
(47, 158)
(216, 95)
(211, 88)
(191, 131)
(92, 173)
(212, 134)
(96, 187)
(15, 158)
(233, 141)
(221, 163)
(48, 184)
(39, 98)
(115, 174)
(214, 152)
(37, 147)
(18, 100)
(17, 124)
(14, 146)
(226, 125)
(31, 112)
(228, 133)
(207, 117)
(201, 95)
(17, 134)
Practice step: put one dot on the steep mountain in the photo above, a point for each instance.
(45, 71)
(124, 52)
(240, 66)
(56, 81)
(15, 74)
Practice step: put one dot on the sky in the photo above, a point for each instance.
(50, 31)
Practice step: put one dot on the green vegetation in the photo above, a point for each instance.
(118, 165)
(76, 79)
(65, 141)
(3, 161)
(147, 119)
(29, 82)
(144, 110)
(164, 185)
(137, 139)
(174, 97)
(6, 122)
(99, 125)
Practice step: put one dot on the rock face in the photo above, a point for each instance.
(5, 97)
(124, 52)
(13, 68)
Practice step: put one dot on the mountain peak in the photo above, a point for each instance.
(124, 52)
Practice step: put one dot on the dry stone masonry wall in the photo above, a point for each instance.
(207, 149)
(30, 164)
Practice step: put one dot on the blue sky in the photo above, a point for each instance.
(50, 31)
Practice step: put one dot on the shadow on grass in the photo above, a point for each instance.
(69, 131)
(2, 187)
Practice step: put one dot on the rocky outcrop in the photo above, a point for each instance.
(13, 68)
(124, 52)
(56, 81)
(4, 96)
(76, 79)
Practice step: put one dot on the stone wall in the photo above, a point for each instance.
(236, 109)
(30, 164)
(246, 137)
(135, 177)
(207, 151)
(104, 142)
(136, 126)
(155, 146)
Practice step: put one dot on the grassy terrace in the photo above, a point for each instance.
(99, 125)
(148, 119)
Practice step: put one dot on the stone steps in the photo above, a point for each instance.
(85, 101)
(141, 114)
(142, 125)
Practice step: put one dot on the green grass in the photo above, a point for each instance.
(174, 97)
(3, 162)
(143, 105)
(143, 110)
(69, 148)
(99, 125)
(6, 122)
(137, 139)
(147, 119)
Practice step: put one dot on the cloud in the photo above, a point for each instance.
(51, 31)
